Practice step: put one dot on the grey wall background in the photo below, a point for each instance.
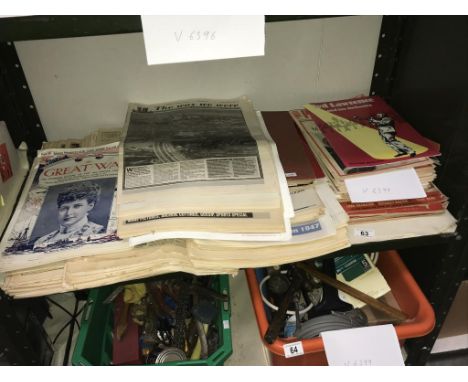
(81, 84)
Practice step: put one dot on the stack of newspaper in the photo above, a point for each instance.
(314, 234)
(63, 233)
(212, 201)
(319, 225)
(200, 169)
(381, 169)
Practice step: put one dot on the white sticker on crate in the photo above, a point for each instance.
(226, 324)
(293, 349)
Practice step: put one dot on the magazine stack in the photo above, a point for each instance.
(381, 169)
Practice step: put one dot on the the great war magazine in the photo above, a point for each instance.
(67, 208)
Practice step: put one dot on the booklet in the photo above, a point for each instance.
(367, 132)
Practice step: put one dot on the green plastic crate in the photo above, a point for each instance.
(94, 343)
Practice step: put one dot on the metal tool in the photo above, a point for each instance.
(279, 317)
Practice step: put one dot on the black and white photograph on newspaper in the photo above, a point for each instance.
(187, 142)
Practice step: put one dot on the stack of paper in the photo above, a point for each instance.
(379, 166)
(63, 235)
(319, 225)
(66, 232)
(99, 137)
(323, 234)
(147, 260)
(210, 186)
(203, 169)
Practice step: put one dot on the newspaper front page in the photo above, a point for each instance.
(68, 203)
(187, 142)
(199, 169)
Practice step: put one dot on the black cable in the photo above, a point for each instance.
(59, 306)
(61, 330)
(70, 335)
(73, 317)
(69, 322)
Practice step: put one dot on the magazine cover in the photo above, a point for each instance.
(310, 131)
(68, 202)
(366, 131)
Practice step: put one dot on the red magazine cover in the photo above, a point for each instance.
(367, 132)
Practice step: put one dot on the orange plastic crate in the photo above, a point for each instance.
(404, 288)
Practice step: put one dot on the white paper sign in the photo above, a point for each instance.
(171, 39)
(368, 346)
(293, 349)
(393, 185)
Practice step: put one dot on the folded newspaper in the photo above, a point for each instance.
(319, 228)
(96, 138)
(147, 260)
(312, 237)
(201, 169)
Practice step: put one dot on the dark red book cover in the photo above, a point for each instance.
(299, 164)
(126, 350)
(367, 132)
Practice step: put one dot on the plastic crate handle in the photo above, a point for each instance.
(87, 310)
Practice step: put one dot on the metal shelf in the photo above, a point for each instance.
(378, 246)
(47, 27)
(411, 50)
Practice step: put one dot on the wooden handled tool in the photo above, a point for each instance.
(374, 303)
